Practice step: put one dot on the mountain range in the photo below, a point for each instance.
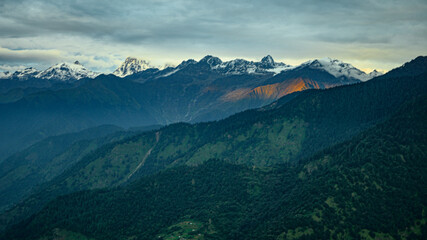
(60, 72)
(346, 162)
(68, 97)
(76, 71)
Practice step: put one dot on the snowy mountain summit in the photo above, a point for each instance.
(130, 66)
(67, 72)
(58, 72)
(268, 62)
(267, 65)
(339, 69)
(241, 66)
(20, 75)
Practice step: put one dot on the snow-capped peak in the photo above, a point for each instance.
(268, 62)
(26, 73)
(337, 68)
(211, 60)
(130, 66)
(241, 66)
(66, 72)
(20, 75)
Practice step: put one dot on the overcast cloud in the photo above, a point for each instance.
(101, 34)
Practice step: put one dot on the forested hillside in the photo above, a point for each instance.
(23, 172)
(371, 187)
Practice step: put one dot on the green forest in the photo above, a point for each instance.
(344, 192)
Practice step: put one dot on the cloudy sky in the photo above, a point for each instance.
(379, 34)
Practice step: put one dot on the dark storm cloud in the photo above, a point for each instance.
(293, 28)
(166, 20)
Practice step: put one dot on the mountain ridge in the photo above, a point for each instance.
(59, 72)
(132, 65)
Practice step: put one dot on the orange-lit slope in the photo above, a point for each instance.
(273, 91)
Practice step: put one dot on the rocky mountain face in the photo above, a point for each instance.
(131, 66)
(241, 66)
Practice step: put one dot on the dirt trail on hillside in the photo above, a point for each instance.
(145, 157)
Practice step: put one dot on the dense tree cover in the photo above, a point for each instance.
(412, 68)
(44, 160)
(373, 186)
(281, 133)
